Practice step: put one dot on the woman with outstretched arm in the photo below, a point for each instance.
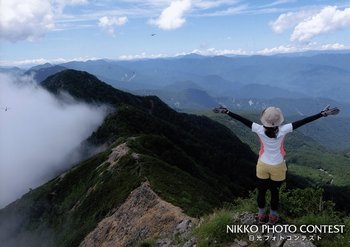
(271, 167)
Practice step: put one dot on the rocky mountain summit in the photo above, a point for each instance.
(144, 215)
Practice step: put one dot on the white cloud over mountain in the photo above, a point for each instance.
(308, 47)
(39, 134)
(308, 24)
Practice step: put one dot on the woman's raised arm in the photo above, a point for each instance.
(222, 109)
(324, 113)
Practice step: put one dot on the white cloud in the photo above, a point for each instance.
(26, 63)
(212, 4)
(110, 23)
(203, 52)
(281, 49)
(73, 2)
(270, 51)
(327, 20)
(173, 16)
(25, 20)
(289, 20)
(229, 11)
(335, 46)
(309, 47)
(143, 55)
(38, 135)
(279, 2)
(307, 24)
(220, 52)
(30, 19)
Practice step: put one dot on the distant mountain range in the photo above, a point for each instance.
(12, 70)
(324, 75)
(301, 84)
(284, 76)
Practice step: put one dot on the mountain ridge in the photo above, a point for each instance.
(188, 160)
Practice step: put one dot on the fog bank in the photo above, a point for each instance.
(38, 133)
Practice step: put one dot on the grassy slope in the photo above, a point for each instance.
(298, 207)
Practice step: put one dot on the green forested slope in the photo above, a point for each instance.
(191, 161)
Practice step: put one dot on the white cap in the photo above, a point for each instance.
(272, 117)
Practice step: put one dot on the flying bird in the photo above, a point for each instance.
(6, 108)
(153, 34)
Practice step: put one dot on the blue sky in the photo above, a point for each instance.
(38, 31)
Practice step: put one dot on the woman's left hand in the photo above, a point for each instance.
(221, 109)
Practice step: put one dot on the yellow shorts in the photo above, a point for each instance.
(274, 172)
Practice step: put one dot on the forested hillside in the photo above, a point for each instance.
(192, 162)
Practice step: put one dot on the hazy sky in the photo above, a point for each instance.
(37, 31)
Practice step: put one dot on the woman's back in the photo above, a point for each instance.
(272, 149)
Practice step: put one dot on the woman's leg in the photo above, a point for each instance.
(278, 175)
(274, 188)
(263, 186)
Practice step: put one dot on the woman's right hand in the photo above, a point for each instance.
(329, 111)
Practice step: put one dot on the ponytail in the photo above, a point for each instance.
(271, 132)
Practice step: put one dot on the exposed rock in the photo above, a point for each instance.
(191, 243)
(142, 216)
(184, 228)
(241, 242)
(246, 218)
(164, 243)
(117, 153)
